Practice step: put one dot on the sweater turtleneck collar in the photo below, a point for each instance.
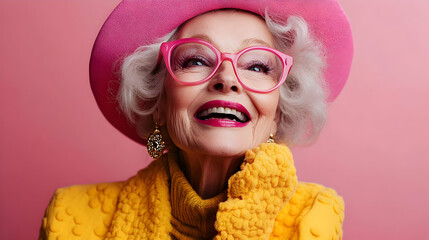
(192, 216)
(159, 203)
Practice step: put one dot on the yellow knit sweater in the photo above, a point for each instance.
(263, 201)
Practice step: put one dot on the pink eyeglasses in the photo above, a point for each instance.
(193, 61)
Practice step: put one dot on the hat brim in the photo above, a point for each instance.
(134, 23)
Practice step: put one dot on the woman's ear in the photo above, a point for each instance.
(276, 121)
(159, 116)
(274, 128)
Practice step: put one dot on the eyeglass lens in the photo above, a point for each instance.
(257, 69)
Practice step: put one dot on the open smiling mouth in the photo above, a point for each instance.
(220, 113)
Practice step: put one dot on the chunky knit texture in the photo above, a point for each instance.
(257, 193)
(263, 201)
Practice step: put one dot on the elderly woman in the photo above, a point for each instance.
(211, 97)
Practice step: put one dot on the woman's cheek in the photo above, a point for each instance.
(266, 104)
(178, 126)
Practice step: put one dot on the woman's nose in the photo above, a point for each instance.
(225, 80)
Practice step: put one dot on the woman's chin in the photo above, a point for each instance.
(225, 146)
(216, 141)
(223, 150)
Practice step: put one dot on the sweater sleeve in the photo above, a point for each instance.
(83, 211)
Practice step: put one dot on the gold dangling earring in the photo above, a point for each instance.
(155, 144)
(271, 139)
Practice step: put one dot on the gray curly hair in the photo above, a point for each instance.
(302, 105)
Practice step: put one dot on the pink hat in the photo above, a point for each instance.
(134, 23)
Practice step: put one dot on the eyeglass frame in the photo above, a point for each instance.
(167, 48)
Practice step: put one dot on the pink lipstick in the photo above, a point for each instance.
(220, 113)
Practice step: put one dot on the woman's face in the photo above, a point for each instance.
(182, 106)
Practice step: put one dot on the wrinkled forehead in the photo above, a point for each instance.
(227, 26)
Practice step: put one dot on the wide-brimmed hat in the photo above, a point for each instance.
(135, 23)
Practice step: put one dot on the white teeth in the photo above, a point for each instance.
(241, 116)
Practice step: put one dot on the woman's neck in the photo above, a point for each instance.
(208, 175)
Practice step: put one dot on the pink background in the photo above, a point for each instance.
(373, 151)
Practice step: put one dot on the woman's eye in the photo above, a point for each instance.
(259, 68)
(193, 62)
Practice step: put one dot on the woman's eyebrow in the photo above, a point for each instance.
(202, 37)
(245, 43)
(254, 42)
